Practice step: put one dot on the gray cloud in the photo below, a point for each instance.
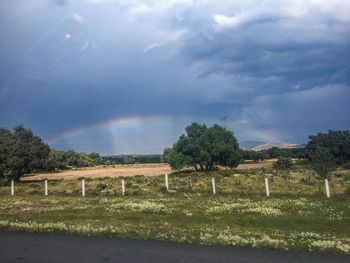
(95, 60)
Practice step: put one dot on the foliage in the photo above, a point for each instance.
(129, 159)
(273, 153)
(283, 163)
(336, 142)
(297, 223)
(21, 152)
(139, 158)
(204, 148)
(60, 160)
(322, 161)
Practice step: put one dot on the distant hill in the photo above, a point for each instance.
(250, 144)
(280, 145)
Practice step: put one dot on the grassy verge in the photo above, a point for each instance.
(297, 215)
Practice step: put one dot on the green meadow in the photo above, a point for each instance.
(296, 216)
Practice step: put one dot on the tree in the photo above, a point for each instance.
(96, 158)
(6, 142)
(204, 148)
(273, 152)
(55, 161)
(337, 143)
(21, 152)
(129, 159)
(322, 161)
(284, 164)
(176, 159)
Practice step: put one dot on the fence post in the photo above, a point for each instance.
(327, 188)
(166, 182)
(46, 189)
(12, 187)
(123, 187)
(267, 186)
(213, 185)
(83, 187)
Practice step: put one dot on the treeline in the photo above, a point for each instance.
(21, 152)
(130, 159)
(63, 160)
(273, 152)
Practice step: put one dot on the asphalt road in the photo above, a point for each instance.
(27, 247)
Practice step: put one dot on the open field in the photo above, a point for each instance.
(297, 215)
(127, 170)
(109, 171)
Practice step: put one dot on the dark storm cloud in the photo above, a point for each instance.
(71, 64)
(273, 53)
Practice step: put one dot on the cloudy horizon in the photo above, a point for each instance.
(117, 76)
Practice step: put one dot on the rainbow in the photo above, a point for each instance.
(135, 120)
(117, 121)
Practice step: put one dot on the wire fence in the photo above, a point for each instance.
(263, 185)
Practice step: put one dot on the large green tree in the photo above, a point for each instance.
(6, 143)
(336, 142)
(21, 152)
(204, 148)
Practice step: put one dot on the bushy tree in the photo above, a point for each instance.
(129, 159)
(322, 161)
(336, 142)
(21, 152)
(6, 142)
(204, 148)
(55, 161)
(96, 158)
(284, 165)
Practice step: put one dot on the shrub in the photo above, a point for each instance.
(283, 163)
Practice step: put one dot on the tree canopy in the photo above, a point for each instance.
(204, 148)
(337, 144)
(21, 152)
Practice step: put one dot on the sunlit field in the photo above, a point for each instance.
(296, 216)
(126, 170)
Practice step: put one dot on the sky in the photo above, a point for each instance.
(126, 77)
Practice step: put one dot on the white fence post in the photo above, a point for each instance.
(213, 185)
(12, 187)
(166, 182)
(83, 187)
(327, 188)
(46, 189)
(123, 187)
(267, 186)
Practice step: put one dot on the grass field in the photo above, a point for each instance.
(297, 215)
(127, 170)
(105, 171)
